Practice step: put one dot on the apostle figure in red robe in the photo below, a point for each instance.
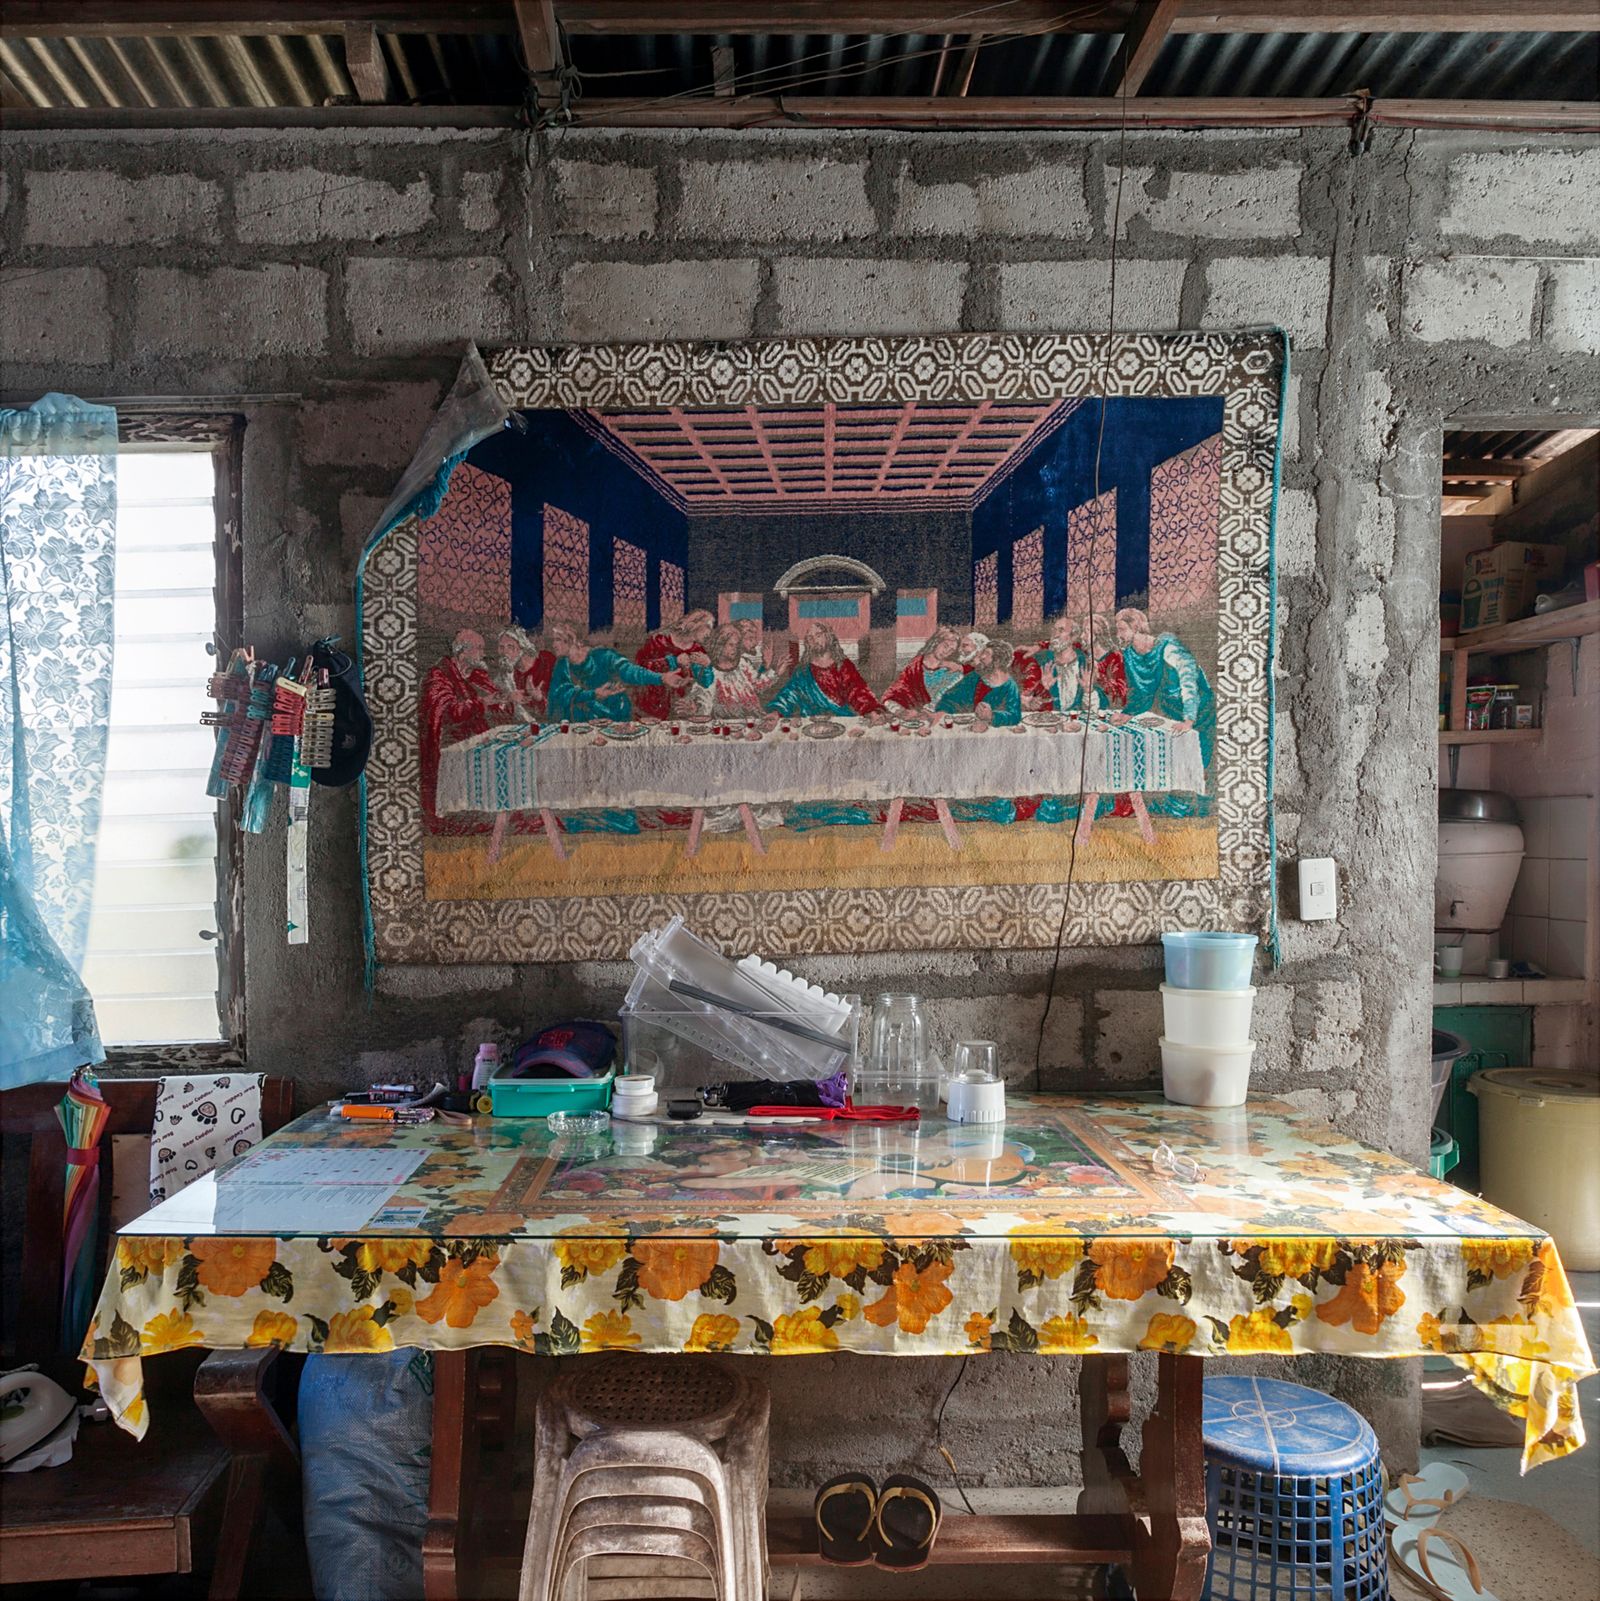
(459, 699)
(826, 683)
(933, 670)
(678, 648)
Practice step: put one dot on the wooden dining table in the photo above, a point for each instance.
(1092, 1227)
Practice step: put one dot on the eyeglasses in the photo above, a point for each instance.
(1183, 1168)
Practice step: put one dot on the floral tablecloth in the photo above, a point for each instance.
(1064, 1232)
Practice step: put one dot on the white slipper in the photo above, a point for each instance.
(1437, 1563)
(1422, 1497)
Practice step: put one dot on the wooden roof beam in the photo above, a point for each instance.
(1141, 44)
(179, 18)
(543, 51)
(1484, 470)
(365, 61)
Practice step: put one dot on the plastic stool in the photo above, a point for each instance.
(1294, 1496)
(652, 1457)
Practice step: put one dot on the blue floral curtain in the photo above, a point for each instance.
(58, 504)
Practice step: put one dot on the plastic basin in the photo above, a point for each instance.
(1207, 1017)
(1199, 1075)
(1201, 959)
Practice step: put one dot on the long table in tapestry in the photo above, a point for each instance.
(1061, 1232)
(512, 768)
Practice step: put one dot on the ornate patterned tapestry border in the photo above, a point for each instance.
(1247, 370)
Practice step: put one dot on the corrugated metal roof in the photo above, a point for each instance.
(485, 68)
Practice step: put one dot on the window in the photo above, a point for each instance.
(161, 950)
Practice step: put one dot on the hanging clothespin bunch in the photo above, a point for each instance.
(316, 732)
(241, 729)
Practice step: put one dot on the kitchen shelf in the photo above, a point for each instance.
(1489, 736)
(1528, 633)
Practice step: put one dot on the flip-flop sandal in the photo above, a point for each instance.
(1422, 1497)
(1437, 1563)
(907, 1520)
(844, 1510)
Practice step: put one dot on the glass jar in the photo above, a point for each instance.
(1503, 708)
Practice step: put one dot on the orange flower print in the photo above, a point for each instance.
(1168, 1331)
(355, 1331)
(911, 1227)
(1126, 1269)
(712, 1331)
(980, 1331)
(389, 1256)
(1041, 1249)
(915, 1297)
(849, 1306)
(670, 1268)
(1496, 1258)
(1291, 1259)
(593, 1252)
(610, 1331)
(803, 1333)
(1256, 1332)
(1065, 1336)
(1520, 1340)
(464, 1289)
(840, 1256)
(273, 1328)
(148, 1253)
(1312, 1167)
(1549, 1292)
(522, 1329)
(1431, 1334)
(232, 1267)
(403, 1302)
(1366, 1298)
(169, 1331)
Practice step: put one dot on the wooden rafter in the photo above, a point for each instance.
(543, 53)
(365, 61)
(1484, 470)
(1141, 44)
(176, 18)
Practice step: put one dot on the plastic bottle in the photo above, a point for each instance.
(487, 1060)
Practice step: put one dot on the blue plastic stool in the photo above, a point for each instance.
(1294, 1496)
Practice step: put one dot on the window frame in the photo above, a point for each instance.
(223, 433)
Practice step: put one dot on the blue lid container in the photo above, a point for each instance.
(1202, 959)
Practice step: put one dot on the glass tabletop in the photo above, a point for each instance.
(1086, 1165)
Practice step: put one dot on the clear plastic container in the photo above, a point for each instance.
(693, 992)
(1206, 959)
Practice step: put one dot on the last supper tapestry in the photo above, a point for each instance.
(833, 646)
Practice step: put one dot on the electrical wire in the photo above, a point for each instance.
(779, 80)
(1094, 534)
(938, 1436)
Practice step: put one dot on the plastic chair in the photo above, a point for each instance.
(1294, 1496)
(663, 1444)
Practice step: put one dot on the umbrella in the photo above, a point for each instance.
(83, 1113)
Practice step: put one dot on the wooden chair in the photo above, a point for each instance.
(193, 1491)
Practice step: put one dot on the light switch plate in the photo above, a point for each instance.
(1319, 889)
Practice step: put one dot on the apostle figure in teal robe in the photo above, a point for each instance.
(586, 684)
(990, 691)
(995, 699)
(1164, 677)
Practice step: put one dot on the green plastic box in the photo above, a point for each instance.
(539, 1097)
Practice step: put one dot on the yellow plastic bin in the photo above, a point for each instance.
(1538, 1132)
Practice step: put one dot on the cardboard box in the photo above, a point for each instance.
(1501, 582)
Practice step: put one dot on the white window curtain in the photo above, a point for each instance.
(58, 501)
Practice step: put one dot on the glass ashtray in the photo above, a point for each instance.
(578, 1122)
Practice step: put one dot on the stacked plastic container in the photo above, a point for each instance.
(1207, 1001)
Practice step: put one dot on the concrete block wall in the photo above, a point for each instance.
(337, 274)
